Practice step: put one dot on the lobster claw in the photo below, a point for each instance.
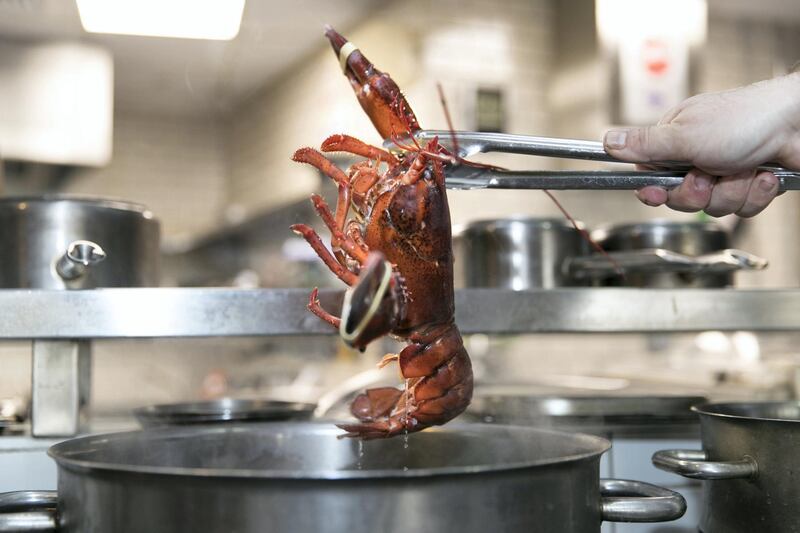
(378, 94)
(371, 308)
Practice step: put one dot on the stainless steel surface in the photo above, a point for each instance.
(751, 465)
(472, 142)
(37, 231)
(61, 387)
(468, 177)
(298, 477)
(517, 253)
(80, 255)
(706, 240)
(174, 312)
(222, 410)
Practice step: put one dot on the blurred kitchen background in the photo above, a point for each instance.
(201, 132)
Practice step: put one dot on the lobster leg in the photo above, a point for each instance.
(327, 257)
(338, 238)
(354, 232)
(315, 307)
(388, 359)
(375, 403)
(316, 159)
(345, 143)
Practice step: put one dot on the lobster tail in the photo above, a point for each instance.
(439, 385)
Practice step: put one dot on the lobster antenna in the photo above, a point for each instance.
(582, 232)
(446, 110)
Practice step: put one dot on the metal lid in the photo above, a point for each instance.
(222, 410)
(303, 450)
(520, 220)
(89, 201)
(781, 412)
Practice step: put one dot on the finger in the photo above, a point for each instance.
(652, 196)
(652, 143)
(763, 189)
(694, 193)
(729, 194)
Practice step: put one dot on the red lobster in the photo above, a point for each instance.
(396, 256)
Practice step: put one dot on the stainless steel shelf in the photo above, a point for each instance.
(202, 312)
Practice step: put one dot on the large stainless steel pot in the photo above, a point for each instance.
(57, 242)
(751, 467)
(517, 253)
(298, 477)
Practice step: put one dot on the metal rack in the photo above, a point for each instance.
(215, 312)
(62, 324)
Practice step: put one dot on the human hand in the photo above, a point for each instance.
(725, 136)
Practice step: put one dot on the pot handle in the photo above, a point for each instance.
(660, 260)
(695, 464)
(635, 501)
(79, 257)
(28, 510)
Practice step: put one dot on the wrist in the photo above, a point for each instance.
(790, 147)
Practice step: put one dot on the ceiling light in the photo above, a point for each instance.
(188, 19)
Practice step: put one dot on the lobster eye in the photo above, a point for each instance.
(363, 300)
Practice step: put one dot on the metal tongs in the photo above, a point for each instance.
(473, 142)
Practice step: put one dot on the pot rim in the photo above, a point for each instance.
(538, 222)
(92, 201)
(717, 410)
(625, 228)
(60, 452)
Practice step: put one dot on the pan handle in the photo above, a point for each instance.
(635, 501)
(695, 464)
(653, 260)
(28, 510)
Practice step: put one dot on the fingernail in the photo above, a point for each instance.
(616, 139)
(766, 184)
(703, 182)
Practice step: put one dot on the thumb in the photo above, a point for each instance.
(645, 145)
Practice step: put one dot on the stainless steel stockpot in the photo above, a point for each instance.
(750, 464)
(517, 253)
(58, 242)
(298, 478)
